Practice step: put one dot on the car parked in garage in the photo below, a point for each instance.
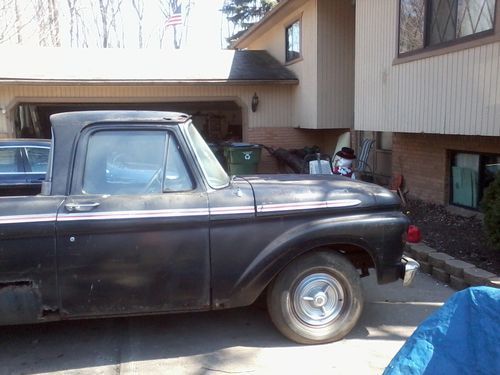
(23, 164)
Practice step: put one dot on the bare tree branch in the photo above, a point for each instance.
(139, 10)
(13, 20)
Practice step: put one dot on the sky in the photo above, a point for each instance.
(206, 26)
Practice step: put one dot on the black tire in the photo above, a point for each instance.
(316, 299)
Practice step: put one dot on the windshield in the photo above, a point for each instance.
(213, 171)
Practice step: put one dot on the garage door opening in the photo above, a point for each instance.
(217, 121)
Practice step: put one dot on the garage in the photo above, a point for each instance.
(221, 91)
(217, 121)
(245, 96)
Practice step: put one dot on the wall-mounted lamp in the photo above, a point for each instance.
(3, 111)
(255, 102)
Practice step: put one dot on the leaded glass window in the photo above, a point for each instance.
(424, 23)
(411, 25)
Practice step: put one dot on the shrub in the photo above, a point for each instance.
(491, 208)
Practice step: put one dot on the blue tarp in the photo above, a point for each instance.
(462, 337)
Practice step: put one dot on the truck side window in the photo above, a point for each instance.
(124, 162)
(134, 162)
(176, 174)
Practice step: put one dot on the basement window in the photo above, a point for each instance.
(470, 176)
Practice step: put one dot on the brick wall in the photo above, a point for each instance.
(424, 161)
(289, 138)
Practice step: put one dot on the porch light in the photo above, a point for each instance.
(255, 102)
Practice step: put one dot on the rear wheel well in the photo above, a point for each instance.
(359, 257)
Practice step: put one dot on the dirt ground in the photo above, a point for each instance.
(455, 235)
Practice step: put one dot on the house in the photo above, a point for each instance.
(419, 77)
(430, 73)
(217, 89)
(425, 84)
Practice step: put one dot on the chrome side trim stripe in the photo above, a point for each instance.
(308, 205)
(142, 214)
(343, 203)
(232, 210)
(19, 219)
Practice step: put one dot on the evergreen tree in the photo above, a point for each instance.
(242, 14)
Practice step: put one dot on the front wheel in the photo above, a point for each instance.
(316, 299)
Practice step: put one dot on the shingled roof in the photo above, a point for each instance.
(115, 66)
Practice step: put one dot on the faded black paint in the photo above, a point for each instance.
(61, 269)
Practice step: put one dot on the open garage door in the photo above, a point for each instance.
(217, 121)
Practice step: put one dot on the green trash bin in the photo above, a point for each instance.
(242, 158)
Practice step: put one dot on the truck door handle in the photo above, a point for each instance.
(81, 207)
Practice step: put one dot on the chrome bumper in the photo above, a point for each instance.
(411, 269)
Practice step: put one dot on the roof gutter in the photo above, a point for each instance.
(278, 10)
(166, 82)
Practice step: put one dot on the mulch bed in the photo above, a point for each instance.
(458, 236)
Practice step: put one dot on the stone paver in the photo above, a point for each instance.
(422, 251)
(458, 283)
(447, 269)
(455, 267)
(477, 276)
(441, 275)
(438, 259)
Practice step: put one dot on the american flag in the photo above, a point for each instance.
(174, 19)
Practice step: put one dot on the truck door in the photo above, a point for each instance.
(132, 236)
(28, 289)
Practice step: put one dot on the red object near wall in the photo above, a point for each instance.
(414, 235)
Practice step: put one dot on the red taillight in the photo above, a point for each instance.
(413, 234)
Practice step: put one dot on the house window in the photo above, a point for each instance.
(470, 176)
(426, 23)
(384, 141)
(293, 41)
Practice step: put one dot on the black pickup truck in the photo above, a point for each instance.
(136, 216)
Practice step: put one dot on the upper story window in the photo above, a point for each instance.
(292, 34)
(425, 23)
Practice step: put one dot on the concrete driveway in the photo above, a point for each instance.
(240, 341)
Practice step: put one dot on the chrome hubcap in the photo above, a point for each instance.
(318, 299)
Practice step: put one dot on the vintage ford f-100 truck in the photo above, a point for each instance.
(136, 216)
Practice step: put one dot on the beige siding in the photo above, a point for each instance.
(304, 107)
(335, 63)
(273, 111)
(324, 98)
(453, 93)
